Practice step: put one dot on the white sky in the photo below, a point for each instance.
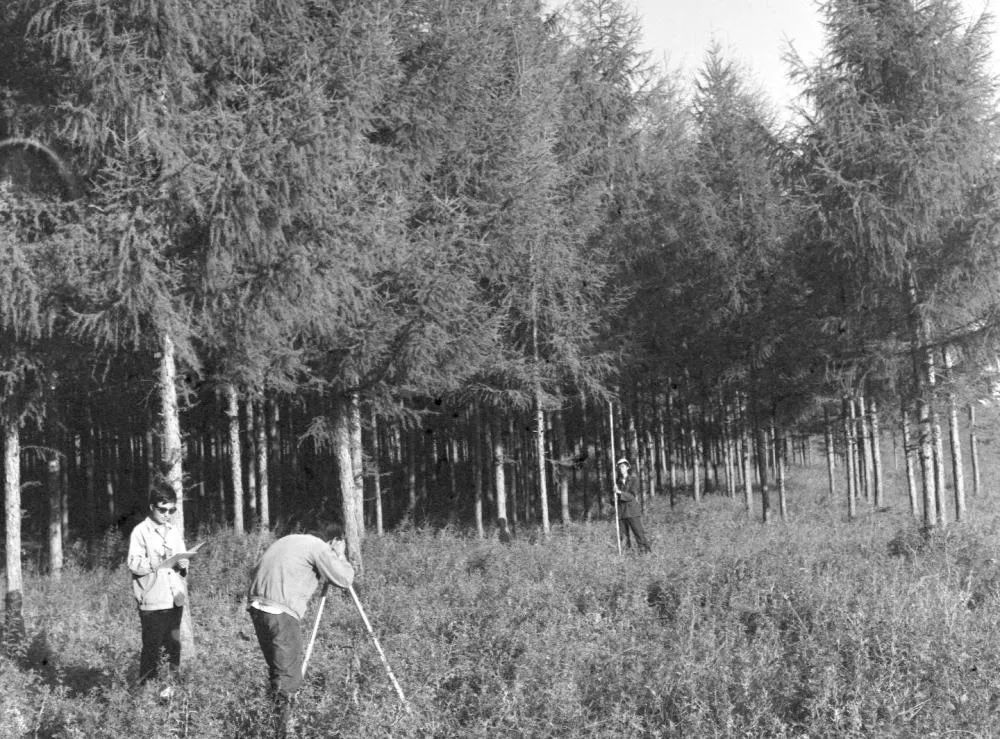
(753, 33)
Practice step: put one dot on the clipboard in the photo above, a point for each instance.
(171, 562)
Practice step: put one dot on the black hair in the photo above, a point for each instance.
(160, 493)
(329, 530)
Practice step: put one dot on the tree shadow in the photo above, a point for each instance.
(39, 657)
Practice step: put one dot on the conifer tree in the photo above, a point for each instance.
(901, 148)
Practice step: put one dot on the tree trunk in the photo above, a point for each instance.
(955, 439)
(345, 471)
(411, 475)
(908, 454)
(276, 468)
(259, 411)
(876, 449)
(974, 451)
(849, 463)
(937, 439)
(235, 456)
(250, 444)
(173, 466)
(865, 450)
(543, 489)
(171, 429)
(54, 488)
(478, 472)
(923, 375)
(499, 481)
(377, 473)
(13, 632)
(779, 462)
(830, 454)
(94, 524)
(746, 456)
(765, 499)
(693, 450)
(357, 465)
(563, 473)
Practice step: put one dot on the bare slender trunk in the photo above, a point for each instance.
(876, 448)
(543, 488)
(830, 454)
(923, 374)
(235, 456)
(357, 466)
(377, 473)
(171, 429)
(172, 462)
(908, 454)
(852, 504)
(478, 471)
(865, 449)
(779, 463)
(661, 445)
(765, 498)
(54, 488)
(263, 489)
(693, 450)
(345, 472)
(955, 439)
(937, 439)
(746, 455)
(671, 447)
(855, 470)
(499, 478)
(275, 465)
(411, 474)
(974, 451)
(562, 450)
(252, 453)
(13, 631)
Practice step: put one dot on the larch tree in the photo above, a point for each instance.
(901, 143)
(38, 267)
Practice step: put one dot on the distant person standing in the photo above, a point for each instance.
(160, 592)
(629, 511)
(281, 585)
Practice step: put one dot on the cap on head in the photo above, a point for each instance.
(621, 462)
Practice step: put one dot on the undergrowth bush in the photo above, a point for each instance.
(812, 627)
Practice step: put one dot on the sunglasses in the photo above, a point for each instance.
(166, 509)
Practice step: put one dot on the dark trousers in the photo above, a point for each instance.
(634, 525)
(280, 639)
(161, 630)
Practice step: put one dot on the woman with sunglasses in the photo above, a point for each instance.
(160, 592)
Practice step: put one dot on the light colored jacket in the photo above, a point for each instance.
(292, 568)
(150, 544)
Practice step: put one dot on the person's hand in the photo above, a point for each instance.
(339, 546)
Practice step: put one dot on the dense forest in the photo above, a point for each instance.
(405, 262)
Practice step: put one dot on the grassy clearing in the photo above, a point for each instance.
(814, 627)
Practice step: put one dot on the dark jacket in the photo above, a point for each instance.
(628, 498)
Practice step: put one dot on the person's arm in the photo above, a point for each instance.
(139, 560)
(334, 569)
(627, 493)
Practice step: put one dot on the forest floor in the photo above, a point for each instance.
(815, 626)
